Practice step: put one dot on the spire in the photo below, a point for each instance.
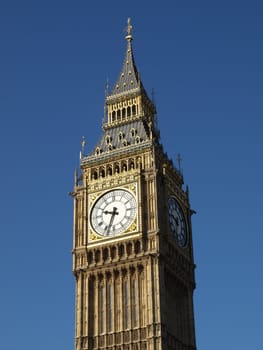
(129, 79)
(129, 114)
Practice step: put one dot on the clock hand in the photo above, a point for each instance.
(113, 213)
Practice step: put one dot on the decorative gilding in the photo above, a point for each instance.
(94, 237)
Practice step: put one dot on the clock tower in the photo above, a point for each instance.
(132, 249)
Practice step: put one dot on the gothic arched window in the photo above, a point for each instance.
(125, 294)
(101, 300)
(134, 301)
(109, 307)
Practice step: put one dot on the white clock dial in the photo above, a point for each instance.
(113, 212)
(177, 222)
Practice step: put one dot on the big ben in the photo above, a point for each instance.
(132, 249)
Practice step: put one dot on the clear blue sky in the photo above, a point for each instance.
(204, 60)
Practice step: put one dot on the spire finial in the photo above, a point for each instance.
(107, 88)
(179, 160)
(105, 105)
(83, 144)
(129, 30)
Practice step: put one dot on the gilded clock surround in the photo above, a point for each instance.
(133, 227)
(134, 291)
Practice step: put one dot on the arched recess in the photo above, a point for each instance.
(129, 248)
(137, 247)
(97, 256)
(90, 257)
(131, 164)
(109, 170)
(124, 166)
(102, 172)
(94, 174)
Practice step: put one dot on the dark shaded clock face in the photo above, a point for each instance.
(113, 212)
(177, 222)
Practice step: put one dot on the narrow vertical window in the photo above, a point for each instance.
(142, 300)
(117, 304)
(109, 307)
(134, 303)
(101, 308)
(91, 297)
(123, 113)
(125, 304)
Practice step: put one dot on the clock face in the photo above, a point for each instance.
(113, 212)
(177, 222)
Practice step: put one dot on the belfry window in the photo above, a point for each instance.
(123, 113)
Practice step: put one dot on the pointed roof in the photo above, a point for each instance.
(132, 132)
(129, 78)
